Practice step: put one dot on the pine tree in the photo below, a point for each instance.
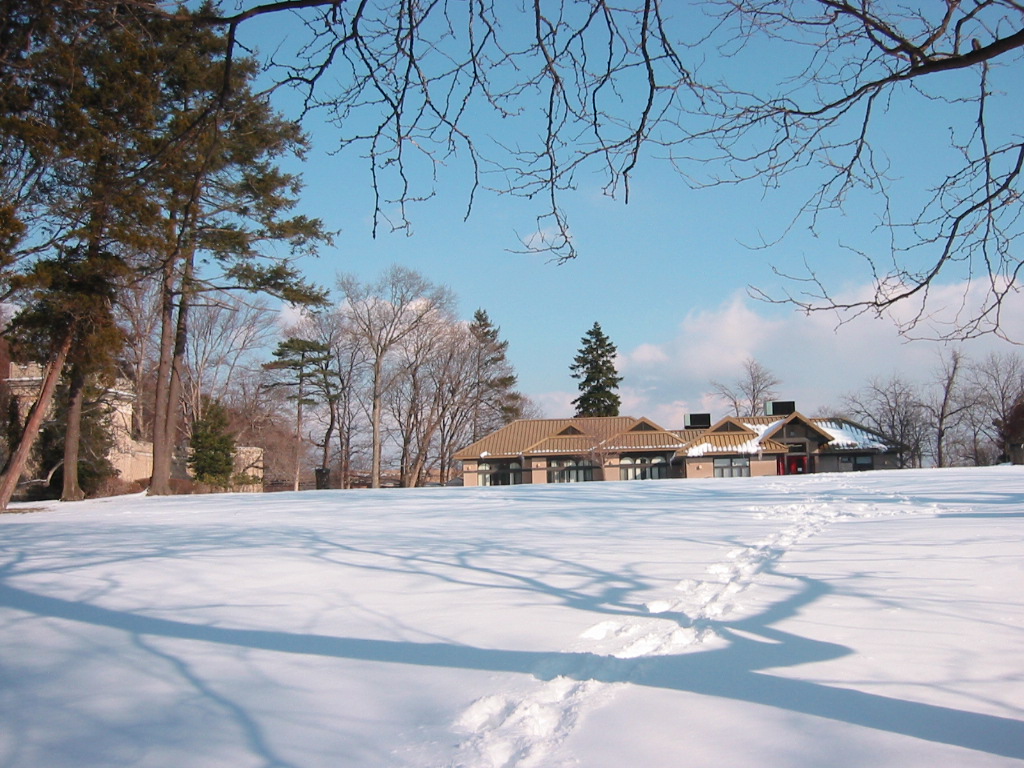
(70, 297)
(225, 198)
(302, 361)
(594, 366)
(1010, 433)
(213, 448)
(78, 107)
(92, 447)
(497, 401)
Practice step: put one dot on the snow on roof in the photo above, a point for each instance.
(849, 436)
(762, 427)
(744, 435)
(727, 443)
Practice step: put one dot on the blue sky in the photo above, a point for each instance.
(666, 276)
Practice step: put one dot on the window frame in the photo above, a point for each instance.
(643, 466)
(731, 466)
(500, 472)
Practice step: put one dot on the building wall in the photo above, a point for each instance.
(133, 463)
(839, 462)
(704, 466)
(535, 468)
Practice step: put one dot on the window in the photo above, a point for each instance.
(861, 463)
(734, 467)
(572, 470)
(501, 473)
(643, 468)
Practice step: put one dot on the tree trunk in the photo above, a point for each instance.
(72, 491)
(19, 458)
(173, 415)
(159, 484)
(345, 454)
(298, 436)
(173, 338)
(376, 418)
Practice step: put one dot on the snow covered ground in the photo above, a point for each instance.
(870, 619)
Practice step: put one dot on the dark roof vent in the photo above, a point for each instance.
(780, 408)
(697, 420)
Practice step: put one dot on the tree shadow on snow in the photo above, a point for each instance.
(734, 671)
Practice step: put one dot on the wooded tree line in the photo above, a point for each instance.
(388, 384)
(134, 160)
(142, 202)
(967, 412)
(381, 386)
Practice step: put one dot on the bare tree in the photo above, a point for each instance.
(750, 394)
(260, 416)
(855, 64)
(352, 367)
(417, 394)
(892, 408)
(596, 84)
(138, 314)
(462, 390)
(997, 382)
(382, 315)
(946, 404)
(526, 98)
(229, 332)
(338, 381)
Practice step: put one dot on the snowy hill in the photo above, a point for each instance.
(869, 619)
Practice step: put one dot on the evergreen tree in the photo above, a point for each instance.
(1010, 434)
(225, 198)
(302, 362)
(497, 401)
(95, 440)
(594, 366)
(70, 297)
(213, 448)
(79, 108)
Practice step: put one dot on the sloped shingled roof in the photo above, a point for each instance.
(847, 436)
(526, 435)
(732, 443)
(623, 434)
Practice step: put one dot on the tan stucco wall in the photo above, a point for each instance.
(133, 460)
(704, 466)
(535, 470)
(469, 476)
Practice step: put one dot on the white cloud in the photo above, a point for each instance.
(817, 360)
(555, 405)
(289, 316)
(645, 354)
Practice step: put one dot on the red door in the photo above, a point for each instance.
(792, 465)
